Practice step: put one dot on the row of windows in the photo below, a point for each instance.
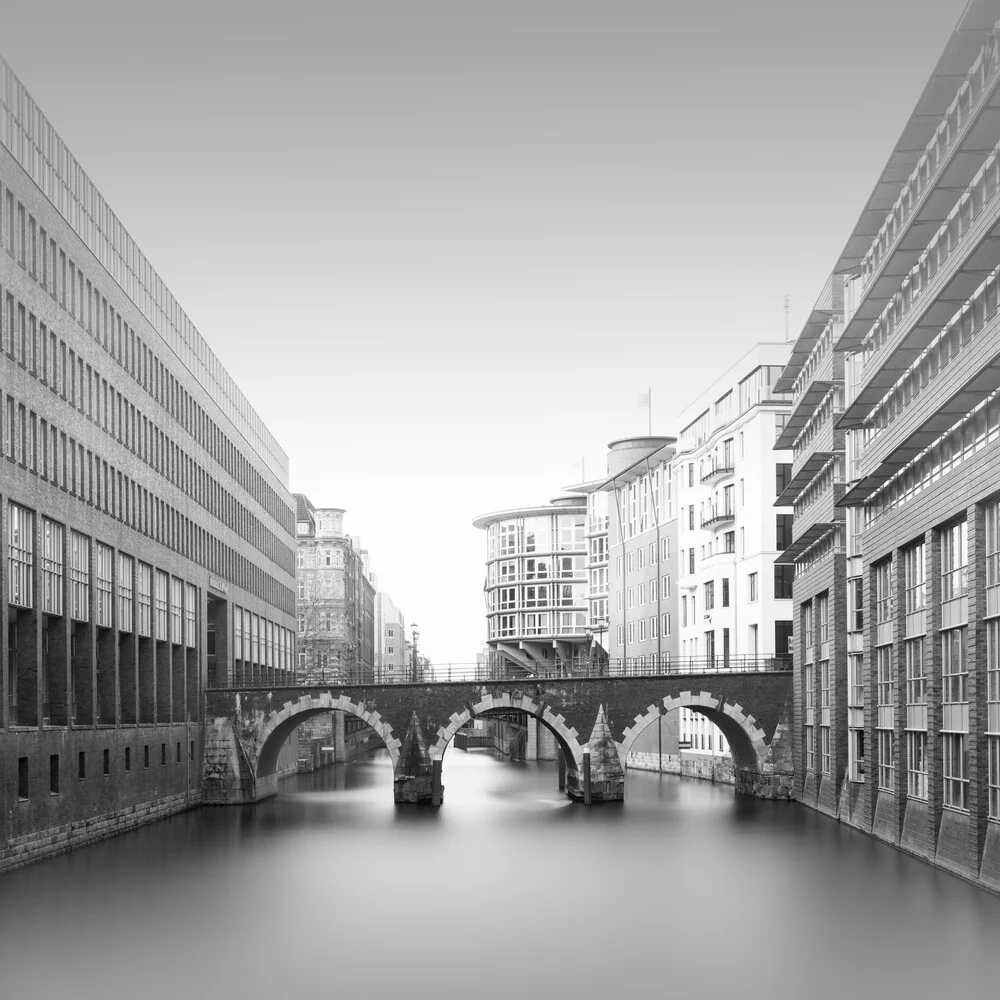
(24, 784)
(644, 592)
(537, 624)
(46, 357)
(56, 457)
(33, 142)
(543, 534)
(122, 586)
(258, 640)
(640, 557)
(643, 628)
(542, 595)
(538, 568)
(640, 503)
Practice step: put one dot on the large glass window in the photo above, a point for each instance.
(144, 588)
(21, 555)
(810, 742)
(190, 621)
(916, 758)
(993, 543)
(956, 770)
(886, 680)
(176, 616)
(883, 591)
(824, 749)
(916, 678)
(103, 562)
(52, 566)
(162, 617)
(954, 560)
(954, 672)
(886, 760)
(125, 592)
(537, 534)
(79, 576)
(993, 775)
(913, 571)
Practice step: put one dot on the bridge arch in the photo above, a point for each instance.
(279, 724)
(566, 735)
(747, 741)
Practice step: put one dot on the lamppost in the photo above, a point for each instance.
(416, 635)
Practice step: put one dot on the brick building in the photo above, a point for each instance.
(144, 510)
(336, 599)
(896, 535)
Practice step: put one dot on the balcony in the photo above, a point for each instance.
(718, 472)
(926, 314)
(803, 473)
(716, 517)
(936, 154)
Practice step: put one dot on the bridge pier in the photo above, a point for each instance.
(417, 778)
(602, 777)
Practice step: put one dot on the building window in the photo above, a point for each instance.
(190, 617)
(886, 760)
(79, 575)
(956, 769)
(807, 679)
(824, 749)
(176, 616)
(144, 603)
(725, 592)
(954, 672)
(710, 595)
(783, 577)
(916, 678)
(954, 560)
(125, 598)
(914, 578)
(21, 555)
(883, 592)
(993, 778)
(162, 586)
(993, 543)
(752, 586)
(916, 763)
(783, 531)
(665, 625)
(52, 567)
(993, 661)
(886, 681)
(104, 558)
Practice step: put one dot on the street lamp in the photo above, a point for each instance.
(416, 635)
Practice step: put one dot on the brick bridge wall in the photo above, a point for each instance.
(246, 728)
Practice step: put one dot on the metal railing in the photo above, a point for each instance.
(557, 669)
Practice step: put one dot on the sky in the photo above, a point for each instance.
(443, 247)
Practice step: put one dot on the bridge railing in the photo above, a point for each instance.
(445, 673)
(650, 666)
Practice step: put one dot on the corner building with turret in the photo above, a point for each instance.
(895, 433)
(144, 511)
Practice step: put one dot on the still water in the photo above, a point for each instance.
(509, 891)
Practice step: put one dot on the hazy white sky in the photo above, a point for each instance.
(443, 246)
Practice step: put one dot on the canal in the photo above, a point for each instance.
(509, 891)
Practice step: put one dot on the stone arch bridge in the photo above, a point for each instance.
(595, 721)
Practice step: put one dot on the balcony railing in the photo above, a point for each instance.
(718, 470)
(716, 516)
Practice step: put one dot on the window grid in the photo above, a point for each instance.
(126, 565)
(21, 555)
(144, 585)
(956, 769)
(53, 535)
(80, 576)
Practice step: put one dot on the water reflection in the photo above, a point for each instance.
(509, 889)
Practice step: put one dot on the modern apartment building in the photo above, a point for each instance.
(897, 570)
(391, 663)
(735, 604)
(336, 599)
(536, 586)
(144, 508)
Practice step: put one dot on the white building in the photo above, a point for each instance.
(734, 603)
